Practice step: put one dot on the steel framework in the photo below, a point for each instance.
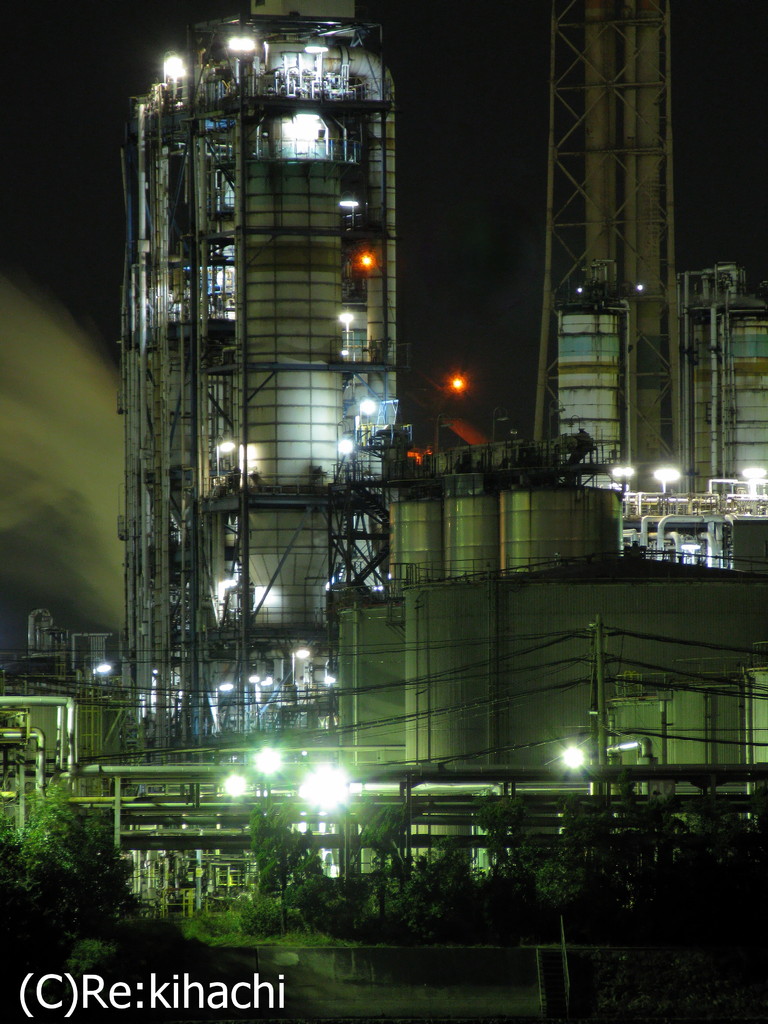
(609, 197)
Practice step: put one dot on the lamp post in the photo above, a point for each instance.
(502, 417)
(754, 476)
(666, 475)
(268, 761)
(623, 474)
(346, 321)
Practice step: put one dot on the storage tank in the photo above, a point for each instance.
(560, 523)
(416, 539)
(471, 534)
(589, 349)
(498, 670)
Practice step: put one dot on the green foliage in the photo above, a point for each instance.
(214, 928)
(283, 855)
(383, 832)
(335, 906)
(61, 879)
(262, 915)
(92, 956)
(438, 902)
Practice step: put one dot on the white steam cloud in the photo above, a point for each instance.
(60, 466)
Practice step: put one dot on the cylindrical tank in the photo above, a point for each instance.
(749, 350)
(470, 525)
(293, 297)
(551, 525)
(416, 539)
(484, 683)
(446, 673)
(589, 347)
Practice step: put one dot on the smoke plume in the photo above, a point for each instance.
(60, 470)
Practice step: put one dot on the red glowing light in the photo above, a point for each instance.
(366, 261)
(458, 384)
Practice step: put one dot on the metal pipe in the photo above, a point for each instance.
(714, 416)
(66, 723)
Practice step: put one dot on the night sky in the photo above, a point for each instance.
(471, 81)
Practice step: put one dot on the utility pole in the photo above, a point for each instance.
(601, 731)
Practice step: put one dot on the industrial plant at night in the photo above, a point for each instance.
(320, 605)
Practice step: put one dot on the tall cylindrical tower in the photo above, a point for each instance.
(610, 204)
(259, 334)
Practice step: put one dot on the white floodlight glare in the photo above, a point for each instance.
(326, 787)
(268, 761)
(639, 287)
(622, 472)
(223, 586)
(573, 757)
(226, 687)
(346, 446)
(302, 653)
(316, 47)
(329, 680)
(753, 473)
(254, 679)
(103, 669)
(227, 446)
(368, 407)
(173, 68)
(235, 785)
(666, 475)
(346, 319)
(242, 44)
(349, 204)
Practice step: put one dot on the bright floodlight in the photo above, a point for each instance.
(254, 679)
(622, 472)
(242, 44)
(368, 407)
(226, 687)
(666, 475)
(227, 446)
(302, 653)
(349, 204)
(330, 680)
(325, 787)
(573, 757)
(346, 319)
(103, 669)
(268, 761)
(346, 446)
(173, 67)
(316, 48)
(753, 473)
(235, 785)
(639, 287)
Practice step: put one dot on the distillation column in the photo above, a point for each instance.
(239, 382)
